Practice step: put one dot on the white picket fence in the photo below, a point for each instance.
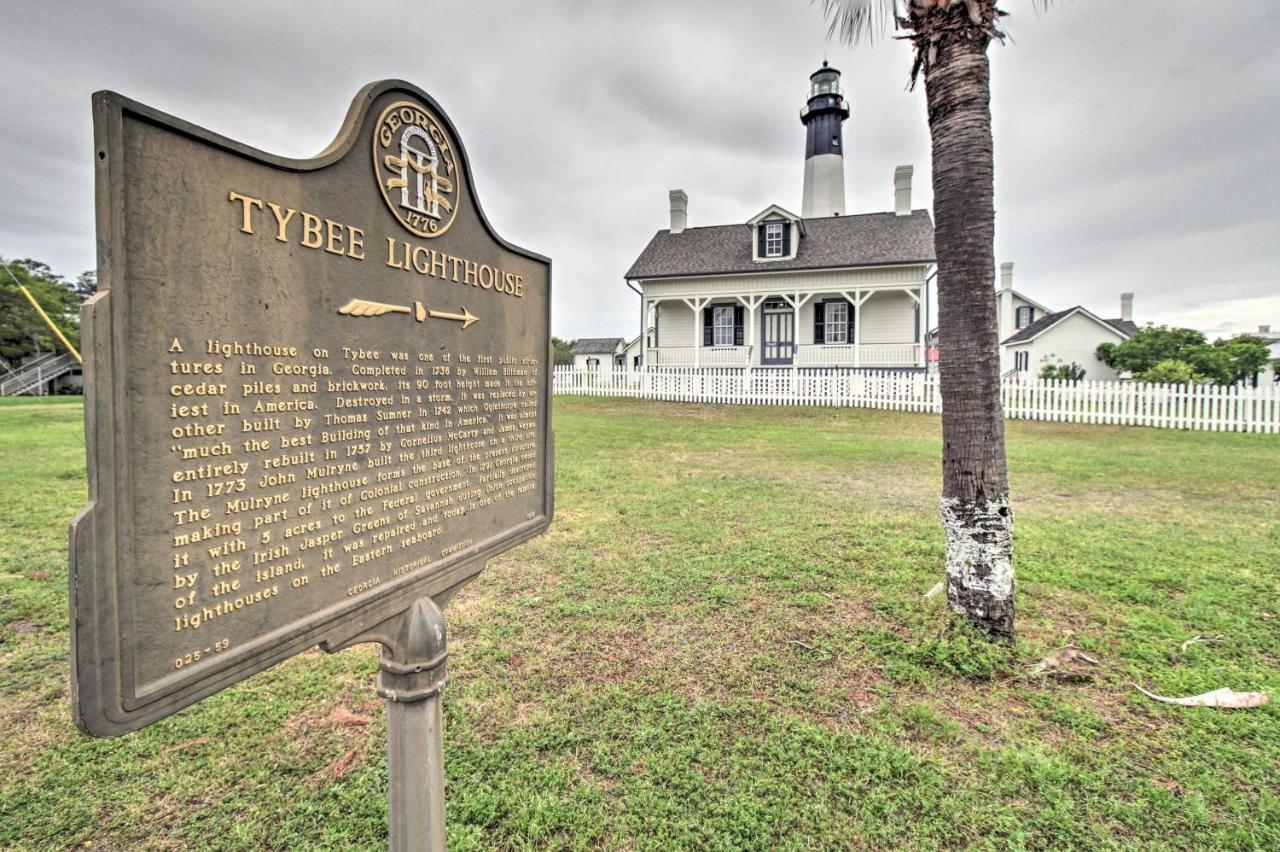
(1209, 408)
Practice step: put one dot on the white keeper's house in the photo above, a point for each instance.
(1033, 337)
(818, 289)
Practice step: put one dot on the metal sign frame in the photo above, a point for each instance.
(104, 697)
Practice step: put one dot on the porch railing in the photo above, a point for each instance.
(704, 356)
(807, 355)
(858, 355)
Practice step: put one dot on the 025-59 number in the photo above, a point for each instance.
(196, 656)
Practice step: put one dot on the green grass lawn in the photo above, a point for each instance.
(722, 643)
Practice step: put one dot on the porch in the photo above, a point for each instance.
(868, 355)
(859, 328)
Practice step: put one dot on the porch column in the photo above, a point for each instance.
(921, 326)
(646, 351)
(916, 296)
(858, 299)
(796, 304)
(696, 305)
(750, 338)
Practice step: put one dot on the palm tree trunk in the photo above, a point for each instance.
(975, 482)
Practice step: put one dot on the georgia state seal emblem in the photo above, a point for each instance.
(416, 166)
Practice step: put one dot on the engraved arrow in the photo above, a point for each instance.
(466, 317)
(419, 311)
(364, 308)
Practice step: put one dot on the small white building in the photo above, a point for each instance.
(821, 289)
(1033, 337)
(1271, 340)
(633, 353)
(598, 353)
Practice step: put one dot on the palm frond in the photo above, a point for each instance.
(855, 20)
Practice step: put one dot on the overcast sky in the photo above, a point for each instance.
(1137, 143)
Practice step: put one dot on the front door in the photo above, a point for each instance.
(778, 333)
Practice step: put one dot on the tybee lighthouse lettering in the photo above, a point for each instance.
(263, 217)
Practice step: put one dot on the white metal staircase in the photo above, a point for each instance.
(34, 378)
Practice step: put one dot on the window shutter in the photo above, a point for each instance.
(707, 314)
(786, 239)
(819, 322)
(737, 325)
(760, 249)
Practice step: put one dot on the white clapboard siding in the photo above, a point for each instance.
(1213, 408)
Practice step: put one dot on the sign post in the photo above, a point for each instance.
(317, 402)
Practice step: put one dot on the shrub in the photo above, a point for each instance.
(1169, 372)
(1072, 372)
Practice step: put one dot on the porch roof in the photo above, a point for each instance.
(870, 239)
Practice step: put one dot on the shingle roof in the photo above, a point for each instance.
(836, 241)
(1029, 331)
(596, 345)
(1125, 327)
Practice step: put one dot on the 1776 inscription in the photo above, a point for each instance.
(317, 391)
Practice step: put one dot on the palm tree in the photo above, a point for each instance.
(950, 38)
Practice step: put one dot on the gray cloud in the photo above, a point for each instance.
(1135, 148)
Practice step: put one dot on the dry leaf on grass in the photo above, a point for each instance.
(1197, 639)
(345, 718)
(1064, 663)
(936, 590)
(342, 765)
(1226, 698)
(188, 744)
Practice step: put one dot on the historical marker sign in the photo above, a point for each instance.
(316, 391)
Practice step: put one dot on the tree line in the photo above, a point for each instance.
(1162, 354)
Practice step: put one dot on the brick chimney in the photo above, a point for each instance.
(902, 190)
(1126, 306)
(679, 210)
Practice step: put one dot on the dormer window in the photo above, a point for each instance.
(774, 233)
(773, 239)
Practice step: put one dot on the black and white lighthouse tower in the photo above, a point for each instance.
(823, 116)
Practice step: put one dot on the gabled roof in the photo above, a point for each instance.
(1030, 301)
(870, 239)
(775, 210)
(1124, 328)
(596, 345)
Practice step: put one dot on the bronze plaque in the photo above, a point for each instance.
(316, 391)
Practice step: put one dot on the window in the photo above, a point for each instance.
(836, 316)
(773, 239)
(1022, 361)
(722, 326)
(1026, 316)
(593, 363)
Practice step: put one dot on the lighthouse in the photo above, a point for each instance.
(823, 117)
